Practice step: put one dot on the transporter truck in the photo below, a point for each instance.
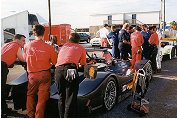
(21, 23)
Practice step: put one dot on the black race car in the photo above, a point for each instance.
(103, 83)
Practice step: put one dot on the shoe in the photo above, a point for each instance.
(6, 111)
(30, 116)
(3, 115)
(158, 70)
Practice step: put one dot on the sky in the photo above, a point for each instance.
(76, 12)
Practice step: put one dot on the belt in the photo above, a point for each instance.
(40, 71)
(69, 64)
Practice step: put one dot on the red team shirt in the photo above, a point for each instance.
(9, 52)
(136, 40)
(71, 53)
(154, 39)
(39, 56)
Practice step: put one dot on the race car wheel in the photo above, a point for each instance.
(148, 76)
(172, 53)
(110, 94)
(149, 72)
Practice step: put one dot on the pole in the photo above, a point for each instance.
(161, 16)
(49, 20)
(164, 16)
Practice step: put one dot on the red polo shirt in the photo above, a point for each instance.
(154, 39)
(39, 56)
(9, 52)
(71, 53)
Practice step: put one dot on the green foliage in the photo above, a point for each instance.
(173, 24)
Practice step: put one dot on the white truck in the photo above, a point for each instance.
(19, 23)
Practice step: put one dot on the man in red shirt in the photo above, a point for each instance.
(136, 40)
(154, 42)
(39, 57)
(66, 75)
(9, 53)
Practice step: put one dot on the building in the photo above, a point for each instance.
(133, 18)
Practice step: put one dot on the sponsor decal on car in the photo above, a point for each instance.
(91, 72)
(127, 86)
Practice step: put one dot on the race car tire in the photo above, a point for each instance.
(172, 53)
(148, 71)
(110, 94)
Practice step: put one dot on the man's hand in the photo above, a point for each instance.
(109, 42)
(19, 55)
(124, 41)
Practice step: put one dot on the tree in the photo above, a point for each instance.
(173, 25)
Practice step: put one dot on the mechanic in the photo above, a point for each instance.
(124, 42)
(102, 34)
(154, 42)
(130, 31)
(145, 45)
(114, 36)
(9, 53)
(39, 56)
(136, 43)
(66, 75)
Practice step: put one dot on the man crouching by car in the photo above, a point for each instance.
(66, 75)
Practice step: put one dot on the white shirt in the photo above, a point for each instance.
(103, 32)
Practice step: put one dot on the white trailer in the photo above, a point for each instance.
(20, 23)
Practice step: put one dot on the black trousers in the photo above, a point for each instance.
(146, 54)
(153, 56)
(4, 87)
(123, 51)
(67, 102)
(123, 54)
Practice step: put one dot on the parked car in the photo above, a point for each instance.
(103, 83)
(95, 41)
(84, 37)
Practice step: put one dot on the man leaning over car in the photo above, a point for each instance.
(9, 53)
(66, 75)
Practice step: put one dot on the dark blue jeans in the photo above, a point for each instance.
(115, 51)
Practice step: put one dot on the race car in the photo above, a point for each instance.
(167, 48)
(103, 83)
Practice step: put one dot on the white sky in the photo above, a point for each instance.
(76, 12)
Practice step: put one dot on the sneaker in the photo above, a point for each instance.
(7, 111)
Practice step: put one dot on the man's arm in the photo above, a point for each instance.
(19, 55)
(124, 38)
(142, 39)
(83, 58)
(98, 34)
(151, 39)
